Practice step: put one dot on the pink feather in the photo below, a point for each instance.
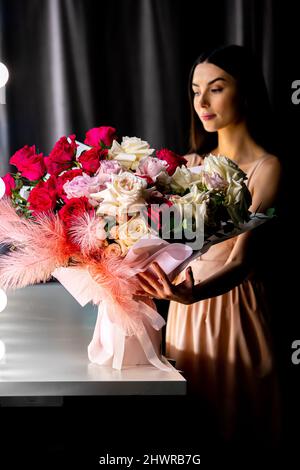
(39, 247)
(118, 287)
(83, 233)
(13, 228)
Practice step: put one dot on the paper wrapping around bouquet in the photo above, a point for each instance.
(110, 347)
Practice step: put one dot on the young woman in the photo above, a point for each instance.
(217, 328)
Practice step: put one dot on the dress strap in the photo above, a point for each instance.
(256, 166)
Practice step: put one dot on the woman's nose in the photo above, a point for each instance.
(203, 101)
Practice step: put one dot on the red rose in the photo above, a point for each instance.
(9, 182)
(62, 179)
(172, 159)
(75, 207)
(100, 135)
(30, 164)
(42, 197)
(61, 156)
(90, 159)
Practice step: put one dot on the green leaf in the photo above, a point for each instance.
(271, 212)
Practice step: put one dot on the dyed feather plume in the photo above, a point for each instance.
(83, 233)
(38, 247)
(117, 287)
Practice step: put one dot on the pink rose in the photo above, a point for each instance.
(81, 186)
(98, 136)
(106, 169)
(9, 182)
(151, 167)
(63, 178)
(109, 167)
(62, 156)
(42, 197)
(30, 164)
(90, 159)
(173, 160)
(214, 181)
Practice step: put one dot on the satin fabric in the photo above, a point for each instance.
(222, 345)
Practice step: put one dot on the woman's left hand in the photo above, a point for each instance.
(159, 286)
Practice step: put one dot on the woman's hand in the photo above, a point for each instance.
(159, 286)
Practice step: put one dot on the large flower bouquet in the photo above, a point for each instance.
(94, 214)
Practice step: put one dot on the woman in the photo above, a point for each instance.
(217, 330)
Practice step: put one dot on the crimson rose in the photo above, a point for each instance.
(30, 164)
(62, 156)
(173, 160)
(100, 135)
(42, 197)
(90, 159)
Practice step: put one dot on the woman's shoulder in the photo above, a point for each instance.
(271, 162)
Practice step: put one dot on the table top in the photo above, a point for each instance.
(46, 334)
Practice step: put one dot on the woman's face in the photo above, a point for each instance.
(216, 99)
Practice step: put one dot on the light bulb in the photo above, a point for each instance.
(2, 350)
(3, 74)
(3, 300)
(2, 188)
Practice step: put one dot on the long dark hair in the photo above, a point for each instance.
(255, 105)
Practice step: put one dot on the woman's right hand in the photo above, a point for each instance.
(159, 286)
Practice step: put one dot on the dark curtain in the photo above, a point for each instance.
(76, 64)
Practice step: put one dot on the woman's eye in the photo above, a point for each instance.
(196, 93)
(216, 90)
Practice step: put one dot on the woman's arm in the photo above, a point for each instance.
(238, 265)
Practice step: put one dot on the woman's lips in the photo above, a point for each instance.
(206, 117)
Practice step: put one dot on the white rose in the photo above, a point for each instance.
(125, 193)
(183, 178)
(237, 195)
(163, 181)
(234, 192)
(224, 167)
(193, 204)
(238, 200)
(130, 152)
(130, 232)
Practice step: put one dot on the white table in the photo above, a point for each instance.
(46, 333)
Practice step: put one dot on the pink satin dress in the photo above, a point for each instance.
(222, 345)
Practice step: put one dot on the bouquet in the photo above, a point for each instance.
(94, 214)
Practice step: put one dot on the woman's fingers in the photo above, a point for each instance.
(161, 275)
(157, 285)
(146, 286)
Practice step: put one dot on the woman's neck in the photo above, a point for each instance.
(236, 143)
